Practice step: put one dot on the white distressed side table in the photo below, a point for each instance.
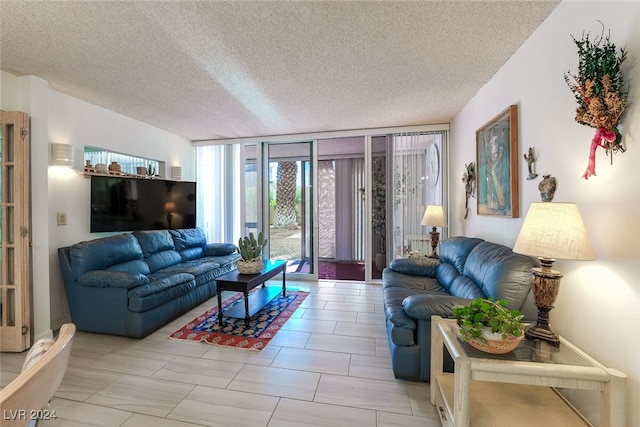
(518, 388)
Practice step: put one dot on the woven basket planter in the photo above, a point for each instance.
(496, 346)
(253, 266)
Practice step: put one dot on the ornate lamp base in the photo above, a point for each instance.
(435, 238)
(540, 332)
(546, 283)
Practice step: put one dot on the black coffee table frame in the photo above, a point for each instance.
(237, 282)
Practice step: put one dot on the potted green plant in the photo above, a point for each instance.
(490, 325)
(250, 250)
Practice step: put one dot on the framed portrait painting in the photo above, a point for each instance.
(497, 165)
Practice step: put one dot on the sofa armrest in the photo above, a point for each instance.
(219, 249)
(424, 306)
(422, 266)
(112, 279)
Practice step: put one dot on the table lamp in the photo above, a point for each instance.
(434, 217)
(169, 207)
(551, 231)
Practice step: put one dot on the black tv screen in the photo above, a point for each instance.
(129, 204)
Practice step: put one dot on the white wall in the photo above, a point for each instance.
(597, 308)
(76, 122)
(56, 117)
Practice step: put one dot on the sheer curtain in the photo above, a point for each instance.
(358, 188)
(220, 188)
(344, 209)
(350, 213)
(417, 182)
(326, 209)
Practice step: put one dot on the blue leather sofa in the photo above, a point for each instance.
(417, 288)
(131, 284)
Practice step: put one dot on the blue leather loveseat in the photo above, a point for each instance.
(131, 284)
(417, 288)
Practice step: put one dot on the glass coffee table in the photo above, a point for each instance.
(518, 388)
(236, 282)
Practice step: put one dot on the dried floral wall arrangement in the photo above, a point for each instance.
(600, 92)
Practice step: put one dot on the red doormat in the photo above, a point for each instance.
(335, 270)
(255, 335)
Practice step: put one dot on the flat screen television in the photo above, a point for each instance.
(128, 204)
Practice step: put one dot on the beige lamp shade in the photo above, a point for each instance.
(434, 216)
(554, 230)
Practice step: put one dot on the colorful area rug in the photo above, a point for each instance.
(254, 335)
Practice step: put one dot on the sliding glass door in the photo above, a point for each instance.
(279, 201)
(343, 208)
(342, 177)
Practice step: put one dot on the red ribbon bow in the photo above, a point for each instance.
(597, 141)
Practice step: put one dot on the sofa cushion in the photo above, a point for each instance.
(230, 260)
(163, 259)
(205, 269)
(464, 287)
(455, 250)
(160, 284)
(423, 306)
(446, 274)
(393, 279)
(196, 267)
(160, 291)
(191, 254)
(400, 336)
(500, 273)
(112, 279)
(220, 249)
(393, 310)
(188, 238)
(421, 266)
(154, 241)
(135, 266)
(397, 287)
(102, 253)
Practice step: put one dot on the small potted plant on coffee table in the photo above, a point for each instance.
(489, 325)
(250, 250)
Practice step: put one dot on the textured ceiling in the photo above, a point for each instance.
(212, 70)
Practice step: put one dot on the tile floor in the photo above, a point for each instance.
(328, 366)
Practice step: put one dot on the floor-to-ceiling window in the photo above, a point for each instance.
(220, 192)
(350, 206)
(417, 169)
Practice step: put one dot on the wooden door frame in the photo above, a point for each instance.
(16, 322)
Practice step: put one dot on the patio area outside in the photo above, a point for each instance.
(285, 243)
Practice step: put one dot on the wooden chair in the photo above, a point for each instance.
(30, 392)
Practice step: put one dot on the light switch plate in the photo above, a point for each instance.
(61, 218)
